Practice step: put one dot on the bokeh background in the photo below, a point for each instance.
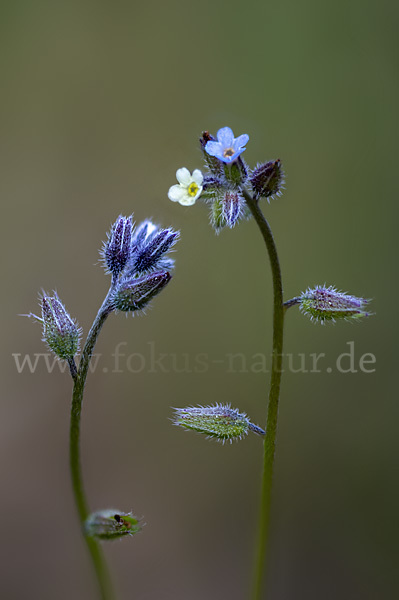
(100, 104)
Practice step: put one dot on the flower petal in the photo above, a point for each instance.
(214, 148)
(188, 200)
(198, 177)
(183, 176)
(176, 193)
(225, 137)
(241, 141)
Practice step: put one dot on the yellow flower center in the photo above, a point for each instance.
(193, 189)
(228, 152)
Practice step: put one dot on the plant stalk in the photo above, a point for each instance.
(274, 395)
(93, 546)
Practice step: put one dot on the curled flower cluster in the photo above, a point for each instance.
(137, 260)
(226, 179)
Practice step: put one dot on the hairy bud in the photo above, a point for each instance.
(135, 293)
(60, 331)
(267, 180)
(150, 247)
(117, 249)
(323, 304)
(232, 207)
(111, 524)
(211, 162)
(219, 421)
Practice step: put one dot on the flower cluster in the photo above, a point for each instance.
(137, 260)
(227, 179)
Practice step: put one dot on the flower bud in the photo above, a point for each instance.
(134, 293)
(219, 421)
(117, 249)
(232, 206)
(60, 331)
(149, 248)
(323, 304)
(236, 172)
(216, 216)
(211, 162)
(267, 180)
(111, 524)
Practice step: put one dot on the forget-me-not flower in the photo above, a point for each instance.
(227, 148)
(189, 188)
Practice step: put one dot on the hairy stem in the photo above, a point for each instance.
(274, 394)
(75, 463)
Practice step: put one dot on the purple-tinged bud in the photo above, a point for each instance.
(267, 179)
(214, 165)
(60, 331)
(117, 249)
(149, 252)
(143, 234)
(323, 304)
(134, 293)
(219, 421)
(111, 524)
(232, 207)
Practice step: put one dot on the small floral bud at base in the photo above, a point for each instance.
(135, 293)
(60, 331)
(267, 180)
(111, 524)
(219, 421)
(323, 304)
(116, 251)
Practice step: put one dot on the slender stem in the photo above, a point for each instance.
(274, 394)
(75, 464)
(293, 302)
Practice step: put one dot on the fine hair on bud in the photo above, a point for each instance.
(133, 294)
(149, 246)
(116, 250)
(111, 524)
(322, 304)
(232, 207)
(267, 179)
(60, 332)
(219, 422)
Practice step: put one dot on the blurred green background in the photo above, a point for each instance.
(100, 104)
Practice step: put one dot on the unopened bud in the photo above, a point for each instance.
(60, 331)
(211, 162)
(111, 524)
(219, 421)
(216, 216)
(267, 180)
(232, 206)
(149, 250)
(117, 249)
(323, 304)
(236, 172)
(135, 293)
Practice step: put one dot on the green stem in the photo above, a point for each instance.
(75, 464)
(274, 394)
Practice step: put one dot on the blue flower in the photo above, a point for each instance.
(227, 148)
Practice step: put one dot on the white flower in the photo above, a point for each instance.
(189, 188)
